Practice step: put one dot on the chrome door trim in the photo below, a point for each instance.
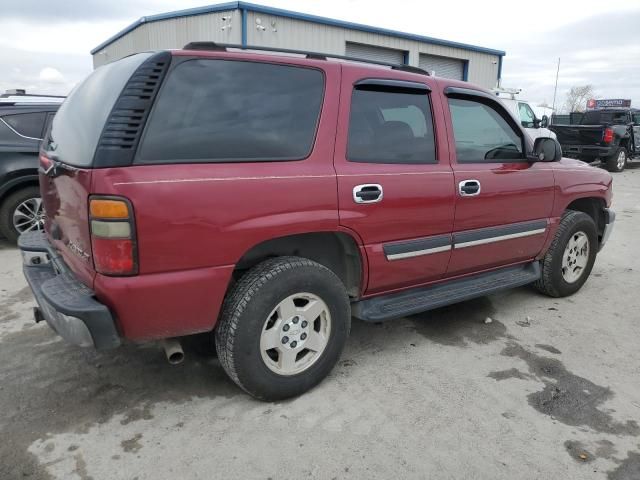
(418, 253)
(500, 238)
(483, 236)
(466, 182)
(417, 247)
(360, 187)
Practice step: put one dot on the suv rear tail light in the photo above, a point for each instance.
(115, 251)
(607, 137)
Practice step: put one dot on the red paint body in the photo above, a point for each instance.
(194, 222)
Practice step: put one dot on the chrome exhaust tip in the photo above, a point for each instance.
(173, 351)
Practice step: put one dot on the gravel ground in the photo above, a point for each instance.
(438, 395)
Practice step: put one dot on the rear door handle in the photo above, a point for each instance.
(469, 188)
(367, 193)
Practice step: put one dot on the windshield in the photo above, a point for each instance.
(77, 126)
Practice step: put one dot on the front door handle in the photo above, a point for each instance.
(469, 188)
(367, 193)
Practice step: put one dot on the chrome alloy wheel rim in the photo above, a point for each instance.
(29, 215)
(295, 334)
(622, 158)
(576, 257)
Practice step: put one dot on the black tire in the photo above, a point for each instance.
(9, 206)
(613, 164)
(552, 282)
(248, 305)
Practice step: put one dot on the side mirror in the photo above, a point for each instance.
(544, 123)
(546, 149)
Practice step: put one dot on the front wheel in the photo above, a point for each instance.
(618, 161)
(283, 327)
(570, 258)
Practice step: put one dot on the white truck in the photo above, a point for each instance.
(534, 126)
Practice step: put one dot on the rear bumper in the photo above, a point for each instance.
(587, 151)
(68, 306)
(609, 219)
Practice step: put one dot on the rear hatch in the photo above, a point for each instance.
(97, 126)
(578, 134)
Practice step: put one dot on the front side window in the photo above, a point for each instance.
(234, 111)
(390, 127)
(527, 117)
(482, 134)
(636, 119)
(27, 124)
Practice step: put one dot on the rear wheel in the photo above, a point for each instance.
(283, 327)
(21, 212)
(618, 161)
(570, 258)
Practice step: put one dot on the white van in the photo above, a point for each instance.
(534, 126)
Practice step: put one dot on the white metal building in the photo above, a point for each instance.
(255, 25)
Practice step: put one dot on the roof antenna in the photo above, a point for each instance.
(555, 90)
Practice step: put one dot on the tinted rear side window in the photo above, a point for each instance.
(10, 141)
(234, 111)
(77, 126)
(390, 127)
(27, 124)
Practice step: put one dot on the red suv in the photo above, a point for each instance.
(267, 199)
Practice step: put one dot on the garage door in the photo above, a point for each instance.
(444, 67)
(370, 52)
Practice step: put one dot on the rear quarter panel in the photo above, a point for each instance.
(195, 221)
(209, 214)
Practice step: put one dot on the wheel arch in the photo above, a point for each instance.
(592, 206)
(18, 183)
(338, 251)
(624, 143)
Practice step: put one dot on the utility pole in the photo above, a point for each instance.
(555, 90)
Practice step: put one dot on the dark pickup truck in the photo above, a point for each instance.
(609, 135)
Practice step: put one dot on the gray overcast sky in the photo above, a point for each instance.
(44, 45)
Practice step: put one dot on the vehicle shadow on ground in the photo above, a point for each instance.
(5, 244)
(53, 387)
(634, 165)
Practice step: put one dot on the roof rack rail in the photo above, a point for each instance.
(8, 104)
(204, 46)
(410, 69)
(9, 94)
(218, 47)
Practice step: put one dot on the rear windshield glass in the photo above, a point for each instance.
(598, 118)
(234, 111)
(77, 126)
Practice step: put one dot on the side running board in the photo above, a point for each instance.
(398, 305)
